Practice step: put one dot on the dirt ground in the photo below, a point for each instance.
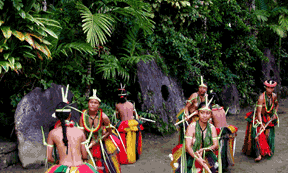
(157, 148)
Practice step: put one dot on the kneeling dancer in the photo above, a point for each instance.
(104, 147)
(260, 131)
(200, 142)
(129, 129)
(67, 139)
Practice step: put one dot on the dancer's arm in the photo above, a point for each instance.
(83, 149)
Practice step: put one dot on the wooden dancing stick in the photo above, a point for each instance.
(148, 120)
(185, 118)
(264, 127)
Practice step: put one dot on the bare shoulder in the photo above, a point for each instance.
(212, 126)
(192, 125)
(193, 96)
(261, 98)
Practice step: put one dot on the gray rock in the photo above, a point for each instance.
(161, 94)
(8, 154)
(33, 111)
(230, 98)
(270, 68)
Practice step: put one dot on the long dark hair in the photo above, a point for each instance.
(62, 116)
(122, 98)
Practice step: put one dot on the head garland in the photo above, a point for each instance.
(202, 83)
(94, 95)
(270, 83)
(207, 108)
(65, 100)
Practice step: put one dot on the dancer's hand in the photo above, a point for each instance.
(200, 152)
(262, 127)
(93, 143)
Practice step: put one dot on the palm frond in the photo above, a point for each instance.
(109, 66)
(260, 4)
(262, 15)
(97, 25)
(83, 48)
(278, 30)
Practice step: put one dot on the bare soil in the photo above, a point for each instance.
(157, 148)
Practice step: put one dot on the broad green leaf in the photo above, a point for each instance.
(46, 42)
(6, 31)
(19, 35)
(1, 4)
(29, 55)
(1, 22)
(50, 32)
(22, 14)
(17, 4)
(29, 39)
(11, 60)
(4, 65)
(39, 38)
(6, 56)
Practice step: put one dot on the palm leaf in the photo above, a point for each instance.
(260, 4)
(109, 66)
(262, 15)
(278, 30)
(97, 26)
(19, 35)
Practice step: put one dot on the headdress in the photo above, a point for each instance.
(207, 104)
(202, 84)
(270, 84)
(122, 89)
(94, 95)
(64, 99)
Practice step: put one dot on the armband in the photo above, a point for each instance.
(259, 105)
(190, 137)
(48, 145)
(215, 138)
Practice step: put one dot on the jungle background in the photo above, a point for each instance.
(89, 45)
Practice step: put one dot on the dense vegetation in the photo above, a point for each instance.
(97, 45)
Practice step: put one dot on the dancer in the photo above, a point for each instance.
(67, 139)
(191, 108)
(129, 128)
(200, 142)
(95, 120)
(260, 131)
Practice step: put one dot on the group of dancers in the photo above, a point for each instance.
(94, 145)
(206, 141)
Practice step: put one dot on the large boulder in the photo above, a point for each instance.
(33, 111)
(161, 95)
(230, 98)
(270, 68)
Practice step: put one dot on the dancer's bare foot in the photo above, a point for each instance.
(258, 158)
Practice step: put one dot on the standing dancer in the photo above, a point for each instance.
(191, 107)
(260, 131)
(67, 139)
(129, 129)
(95, 120)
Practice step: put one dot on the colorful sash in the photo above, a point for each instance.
(130, 133)
(85, 168)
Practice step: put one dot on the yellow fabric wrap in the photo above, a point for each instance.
(116, 163)
(111, 148)
(131, 140)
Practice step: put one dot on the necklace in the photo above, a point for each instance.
(266, 103)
